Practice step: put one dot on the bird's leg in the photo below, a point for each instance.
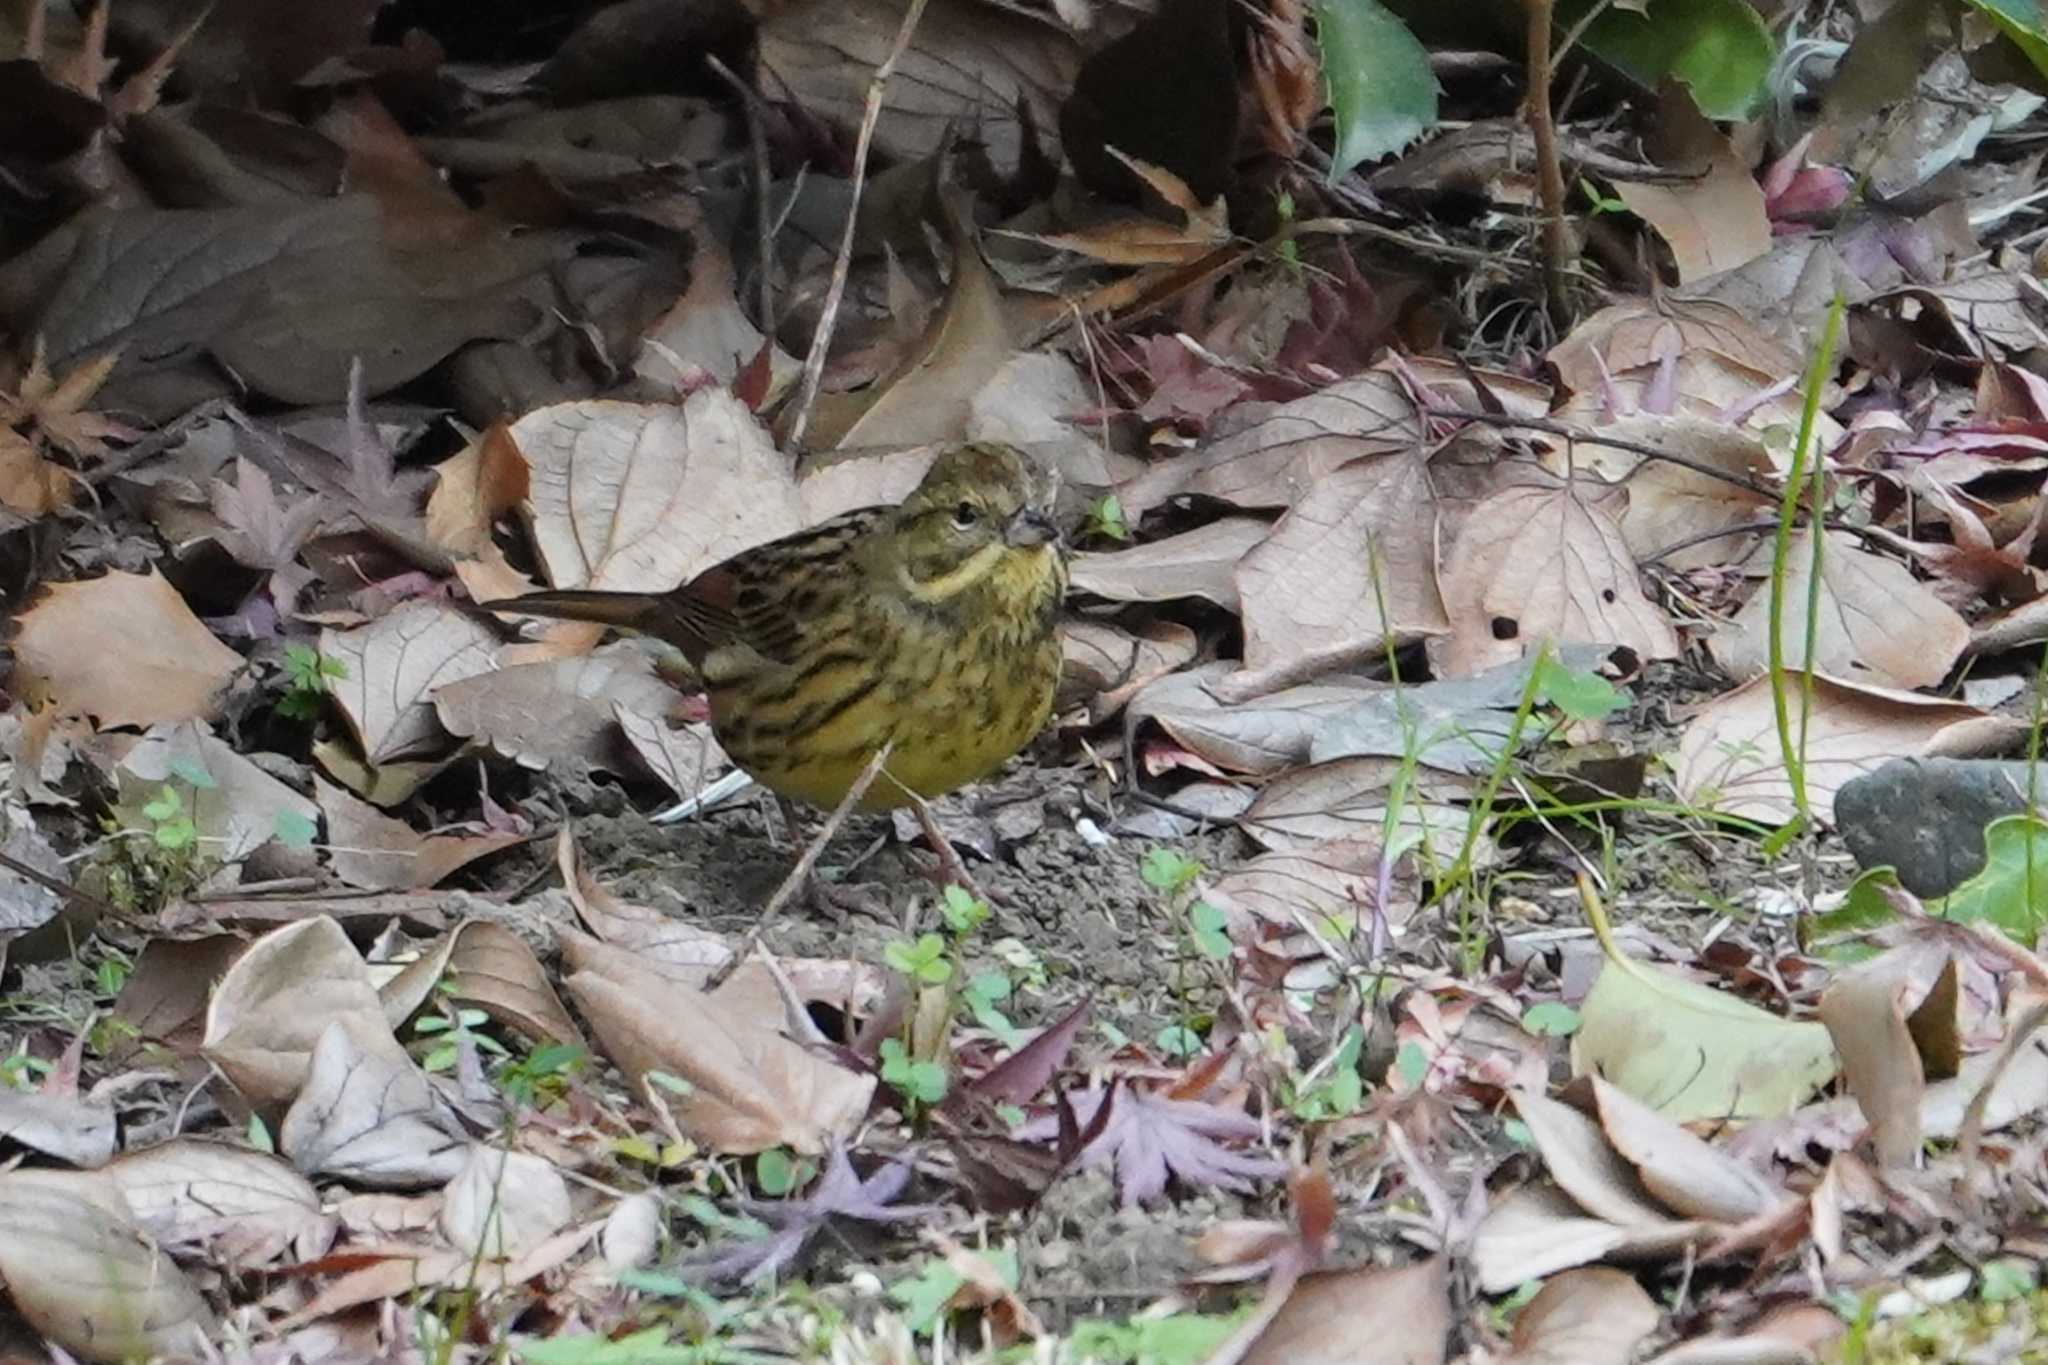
(835, 900)
(950, 870)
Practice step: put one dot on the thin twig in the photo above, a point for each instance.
(801, 873)
(1594, 438)
(55, 884)
(821, 340)
(764, 231)
(1557, 242)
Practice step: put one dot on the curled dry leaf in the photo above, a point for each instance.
(1262, 736)
(1346, 572)
(929, 395)
(751, 1086)
(372, 850)
(1352, 797)
(1871, 1011)
(706, 335)
(485, 964)
(1200, 563)
(394, 665)
(1873, 622)
(1539, 563)
(1343, 879)
(172, 668)
(683, 758)
(187, 292)
(274, 1002)
(473, 488)
(1729, 757)
(640, 497)
(1404, 1312)
(1595, 1316)
(90, 1281)
(1277, 458)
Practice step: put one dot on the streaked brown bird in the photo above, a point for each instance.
(930, 626)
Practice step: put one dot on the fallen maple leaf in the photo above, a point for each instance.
(841, 1192)
(1149, 1137)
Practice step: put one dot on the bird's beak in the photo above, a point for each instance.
(1030, 527)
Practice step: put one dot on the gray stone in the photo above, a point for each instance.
(1926, 816)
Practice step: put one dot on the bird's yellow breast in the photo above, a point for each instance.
(955, 692)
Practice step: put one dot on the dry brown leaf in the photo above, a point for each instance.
(1405, 1313)
(242, 1208)
(639, 497)
(1711, 224)
(504, 1205)
(1874, 621)
(1669, 503)
(29, 484)
(1646, 332)
(1282, 455)
(1263, 736)
(65, 1126)
(1685, 1173)
(485, 964)
(90, 1281)
(1594, 1316)
(968, 65)
(1106, 665)
(170, 666)
(369, 1116)
(1536, 564)
(473, 488)
(751, 1086)
(930, 395)
(558, 710)
(1729, 757)
(1346, 572)
(1351, 798)
(394, 664)
(1200, 563)
(706, 335)
(371, 850)
(274, 1002)
(243, 809)
(1337, 880)
(1868, 1010)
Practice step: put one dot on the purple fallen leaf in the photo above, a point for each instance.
(1150, 1137)
(839, 1193)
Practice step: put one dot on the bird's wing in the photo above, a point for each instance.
(766, 599)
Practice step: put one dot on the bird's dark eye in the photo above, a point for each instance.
(965, 515)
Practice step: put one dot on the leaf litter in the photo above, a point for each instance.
(1424, 923)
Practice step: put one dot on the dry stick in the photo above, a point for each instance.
(821, 340)
(54, 884)
(764, 230)
(799, 874)
(1557, 242)
(1594, 438)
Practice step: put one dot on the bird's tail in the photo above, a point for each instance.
(640, 611)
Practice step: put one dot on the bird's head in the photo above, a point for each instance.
(980, 520)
